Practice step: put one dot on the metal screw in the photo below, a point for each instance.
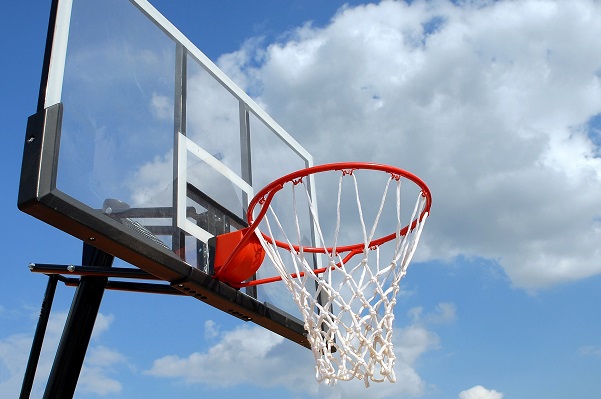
(71, 268)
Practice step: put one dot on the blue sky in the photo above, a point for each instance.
(495, 104)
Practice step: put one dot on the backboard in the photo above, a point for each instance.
(144, 148)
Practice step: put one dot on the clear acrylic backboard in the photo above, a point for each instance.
(144, 148)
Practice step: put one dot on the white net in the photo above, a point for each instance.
(348, 309)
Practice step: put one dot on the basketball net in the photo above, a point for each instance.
(348, 309)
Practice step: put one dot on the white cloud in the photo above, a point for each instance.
(591, 350)
(253, 355)
(100, 363)
(211, 329)
(102, 324)
(95, 376)
(151, 183)
(161, 106)
(95, 380)
(247, 349)
(479, 392)
(489, 105)
(444, 313)
(13, 357)
(103, 356)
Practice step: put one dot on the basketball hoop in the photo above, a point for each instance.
(347, 306)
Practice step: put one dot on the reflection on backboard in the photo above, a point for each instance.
(144, 148)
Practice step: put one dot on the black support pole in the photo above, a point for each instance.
(78, 328)
(38, 338)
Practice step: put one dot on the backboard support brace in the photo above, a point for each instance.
(91, 282)
(77, 332)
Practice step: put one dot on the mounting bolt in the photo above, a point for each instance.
(71, 268)
(31, 266)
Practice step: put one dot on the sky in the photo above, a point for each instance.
(496, 105)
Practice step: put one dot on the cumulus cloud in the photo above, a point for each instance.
(444, 313)
(151, 183)
(493, 104)
(161, 106)
(13, 352)
(252, 350)
(479, 392)
(211, 329)
(96, 375)
(253, 355)
(591, 350)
